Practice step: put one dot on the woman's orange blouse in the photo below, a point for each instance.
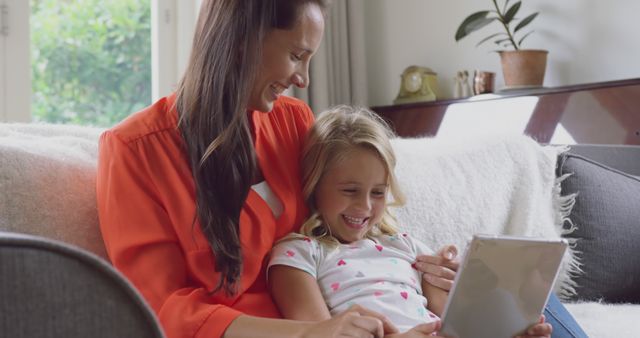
(146, 205)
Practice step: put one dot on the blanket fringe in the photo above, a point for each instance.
(571, 266)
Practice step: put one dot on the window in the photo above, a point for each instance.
(90, 61)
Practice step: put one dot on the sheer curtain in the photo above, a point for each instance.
(338, 70)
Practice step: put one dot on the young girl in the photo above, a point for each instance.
(349, 251)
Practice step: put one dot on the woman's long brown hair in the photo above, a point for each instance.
(212, 101)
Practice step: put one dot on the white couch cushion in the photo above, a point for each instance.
(47, 183)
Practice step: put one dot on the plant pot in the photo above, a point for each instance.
(523, 68)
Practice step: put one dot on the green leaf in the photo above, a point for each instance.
(497, 42)
(511, 13)
(522, 39)
(489, 38)
(472, 23)
(506, 3)
(525, 21)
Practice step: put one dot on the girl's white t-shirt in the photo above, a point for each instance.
(375, 273)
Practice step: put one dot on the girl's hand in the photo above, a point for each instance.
(428, 330)
(540, 330)
(439, 270)
(357, 321)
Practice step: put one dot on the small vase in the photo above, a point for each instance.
(523, 68)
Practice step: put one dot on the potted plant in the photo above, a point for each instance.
(520, 67)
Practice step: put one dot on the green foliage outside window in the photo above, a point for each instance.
(91, 60)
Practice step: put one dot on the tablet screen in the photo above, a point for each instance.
(502, 286)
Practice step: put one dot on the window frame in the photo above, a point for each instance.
(15, 67)
(173, 23)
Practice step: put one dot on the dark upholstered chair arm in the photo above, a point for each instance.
(52, 289)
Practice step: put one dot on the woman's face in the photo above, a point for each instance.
(351, 196)
(286, 57)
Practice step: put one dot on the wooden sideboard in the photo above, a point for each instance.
(596, 113)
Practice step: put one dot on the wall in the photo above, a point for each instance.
(588, 41)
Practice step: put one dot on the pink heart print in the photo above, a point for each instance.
(404, 294)
(290, 253)
(377, 293)
(379, 247)
(335, 286)
(342, 262)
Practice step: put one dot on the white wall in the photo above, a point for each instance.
(588, 41)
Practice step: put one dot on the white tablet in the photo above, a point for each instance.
(502, 286)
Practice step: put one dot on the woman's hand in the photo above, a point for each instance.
(439, 270)
(539, 330)
(357, 321)
(428, 330)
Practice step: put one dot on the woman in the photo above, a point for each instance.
(194, 190)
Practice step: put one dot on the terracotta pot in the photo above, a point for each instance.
(523, 67)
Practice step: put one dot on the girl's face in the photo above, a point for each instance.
(351, 196)
(286, 57)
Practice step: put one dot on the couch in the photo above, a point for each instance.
(47, 189)
(55, 280)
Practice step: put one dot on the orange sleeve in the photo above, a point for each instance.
(142, 243)
(306, 120)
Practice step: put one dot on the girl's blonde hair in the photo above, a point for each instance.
(335, 134)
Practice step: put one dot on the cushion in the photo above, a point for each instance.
(47, 183)
(606, 216)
